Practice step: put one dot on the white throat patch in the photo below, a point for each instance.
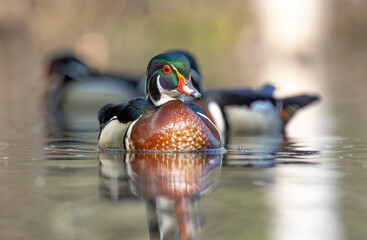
(166, 95)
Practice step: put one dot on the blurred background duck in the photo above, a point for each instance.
(245, 111)
(77, 92)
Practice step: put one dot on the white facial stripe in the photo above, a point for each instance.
(173, 67)
(166, 95)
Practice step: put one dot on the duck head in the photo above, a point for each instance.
(196, 79)
(169, 78)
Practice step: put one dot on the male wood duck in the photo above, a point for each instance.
(77, 92)
(246, 111)
(161, 121)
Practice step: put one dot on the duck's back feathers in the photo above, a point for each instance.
(243, 96)
(300, 100)
(292, 104)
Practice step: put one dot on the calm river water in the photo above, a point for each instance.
(262, 188)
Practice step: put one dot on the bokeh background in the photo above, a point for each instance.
(314, 46)
(299, 46)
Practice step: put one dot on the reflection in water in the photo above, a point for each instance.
(170, 183)
(114, 178)
(304, 198)
(269, 189)
(303, 195)
(304, 201)
(263, 151)
(64, 149)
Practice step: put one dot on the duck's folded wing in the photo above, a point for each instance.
(115, 120)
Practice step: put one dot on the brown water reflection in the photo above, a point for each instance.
(171, 185)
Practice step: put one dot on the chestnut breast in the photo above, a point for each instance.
(174, 127)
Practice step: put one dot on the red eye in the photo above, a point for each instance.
(166, 69)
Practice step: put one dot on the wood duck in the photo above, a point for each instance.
(161, 121)
(77, 92)
(246, 111)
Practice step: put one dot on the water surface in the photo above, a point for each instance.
(262, 188)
